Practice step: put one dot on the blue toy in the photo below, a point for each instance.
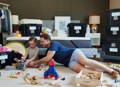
(51, 72)
(20, 65)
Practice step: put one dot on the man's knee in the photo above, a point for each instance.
(77, 67)
(82, 59)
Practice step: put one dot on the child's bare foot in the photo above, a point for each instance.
(114, 74)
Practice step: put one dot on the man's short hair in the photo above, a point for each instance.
(45, 36)
(33, 39)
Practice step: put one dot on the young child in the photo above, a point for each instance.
(32, 52)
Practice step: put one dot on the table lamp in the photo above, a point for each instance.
(15, 19)
(15, 23)
(94, 20)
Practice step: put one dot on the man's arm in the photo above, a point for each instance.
(49, 56)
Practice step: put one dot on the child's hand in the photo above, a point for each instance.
(27, 62)
(23, 57)
(32, 63)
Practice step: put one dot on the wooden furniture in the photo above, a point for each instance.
(53, 38)
(95, 38)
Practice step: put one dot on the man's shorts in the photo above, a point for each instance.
(74, 56)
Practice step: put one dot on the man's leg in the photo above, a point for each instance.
(93, 64)
(78, 61)
(77, 67)
(96, 65)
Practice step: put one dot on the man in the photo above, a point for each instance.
(70, 57)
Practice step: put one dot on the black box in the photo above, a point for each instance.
(113, 16)
(3, 58)
(8, 58)
(30, 29)
(112, 31)
(76, 29)
(112, 48)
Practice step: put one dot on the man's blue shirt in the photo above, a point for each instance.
(63, 54)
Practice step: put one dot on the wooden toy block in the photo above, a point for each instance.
(33, 80)
(89, 78)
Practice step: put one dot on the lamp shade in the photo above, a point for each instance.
(94, 19)
(15, 19)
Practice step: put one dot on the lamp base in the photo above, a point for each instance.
(94, 28)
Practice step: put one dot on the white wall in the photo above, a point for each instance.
(114, 4)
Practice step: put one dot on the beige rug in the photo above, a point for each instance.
(64, 72)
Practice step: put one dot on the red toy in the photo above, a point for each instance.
(51, 72)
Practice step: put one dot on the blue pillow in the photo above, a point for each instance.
(82, 43)
(66, 43)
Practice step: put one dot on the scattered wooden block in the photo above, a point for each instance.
(89, 78)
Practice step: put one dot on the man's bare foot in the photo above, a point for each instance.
(115, 68)
(114, 74)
